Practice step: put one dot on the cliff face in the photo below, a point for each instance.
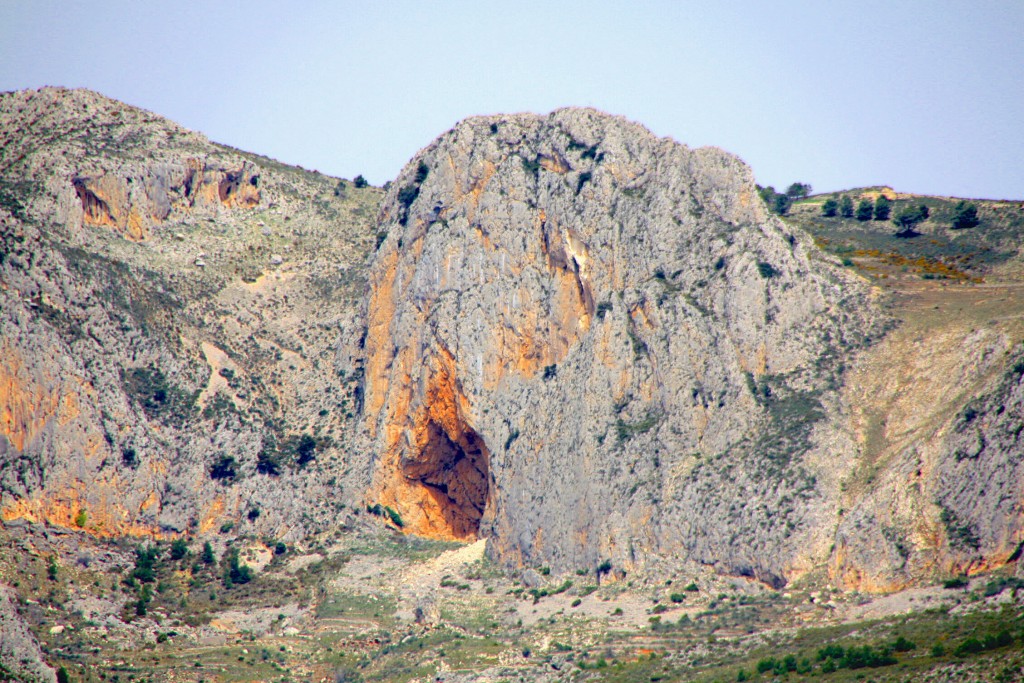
(561, 333)
(177, 321)
(586, 342)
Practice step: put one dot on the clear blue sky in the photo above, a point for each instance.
(927, 96)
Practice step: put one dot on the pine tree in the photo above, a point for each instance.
(865, 209)
(882, 208)
(846, 207)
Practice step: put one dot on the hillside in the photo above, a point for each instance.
(564, 401)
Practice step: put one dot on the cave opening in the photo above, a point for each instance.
(454, 472)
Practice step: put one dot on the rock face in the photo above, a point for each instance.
(574, 328)
(177, 327)
(562, 333)
(20, 656)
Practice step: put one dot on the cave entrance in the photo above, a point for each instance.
(455, 475)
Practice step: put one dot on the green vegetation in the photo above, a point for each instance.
(883, 207)
(965, 215)
(159, 398)
(846, 207)
(830, 208)
(865, 210)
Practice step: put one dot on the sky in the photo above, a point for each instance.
(924, 95)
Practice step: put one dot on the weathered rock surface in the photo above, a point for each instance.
(574, 338)
(574, 329)
(160, 371)
(20, 655)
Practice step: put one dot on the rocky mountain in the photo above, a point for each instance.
(174, 319)
(590, 345)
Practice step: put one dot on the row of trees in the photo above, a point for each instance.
(866, 210)
(965, 214)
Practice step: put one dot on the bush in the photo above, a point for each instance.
(766, 270)
(830, 208)
(208, 557)
(677, 597)
(145, 562)
(360, 182)
(965, 215)
(901, 644)
(235, 572)
(81, 518)
(179, 549)
(224, 469)
(882, 208)
(781, 204)
(910, 216)
(865, 210)
(845, 207)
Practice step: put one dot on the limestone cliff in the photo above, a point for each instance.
(561, 333)
(586, 342)
(174, 319)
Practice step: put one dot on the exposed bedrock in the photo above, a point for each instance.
(587, 342)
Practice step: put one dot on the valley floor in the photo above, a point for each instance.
(370, 604)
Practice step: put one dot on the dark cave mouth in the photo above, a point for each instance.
(455, 475)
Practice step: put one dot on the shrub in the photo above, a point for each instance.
(145, 562)
(830, 208)
(968, 647)
(766, 270)
(422, 171)
(81, 518)
(965, 215)
(235, 572)
(901, 644)
(781, 204)
(223, 469)
(692, 587)
(179, 549)
(268, 462)
(305, 450)
(865, 210)
(677, 597)
(955, 582)
(208, 557)
(360, 182)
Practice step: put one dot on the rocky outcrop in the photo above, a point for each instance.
(20, 656)
(562, 333)
(177, 327)
(587, 342)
